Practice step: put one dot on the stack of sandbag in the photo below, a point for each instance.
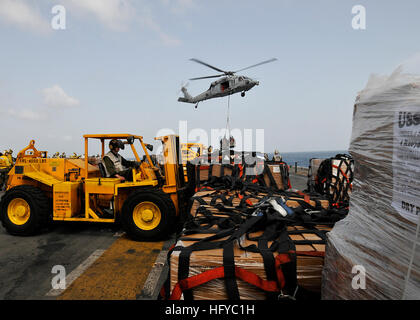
(374, 253)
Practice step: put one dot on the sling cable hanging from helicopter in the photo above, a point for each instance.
(228, 120)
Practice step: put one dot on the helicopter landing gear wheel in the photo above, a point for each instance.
(243, 94)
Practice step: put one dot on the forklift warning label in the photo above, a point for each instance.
(61, 203)
(406, 163)
(35, 160)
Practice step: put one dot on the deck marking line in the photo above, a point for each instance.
(77, 272)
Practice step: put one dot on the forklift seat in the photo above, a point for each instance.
(102, 169)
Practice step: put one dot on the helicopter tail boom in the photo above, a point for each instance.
(185, 100)
(187, 97)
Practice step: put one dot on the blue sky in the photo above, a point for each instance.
(119, 64)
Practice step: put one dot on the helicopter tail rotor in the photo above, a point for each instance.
(187, 97)
(183, 84)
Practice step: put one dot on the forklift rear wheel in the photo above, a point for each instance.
(24, 210)
(148, 215)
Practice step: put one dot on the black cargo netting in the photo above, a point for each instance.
(229, 207)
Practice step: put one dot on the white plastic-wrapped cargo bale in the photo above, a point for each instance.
(374, 253)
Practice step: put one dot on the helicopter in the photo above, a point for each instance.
(229, 84)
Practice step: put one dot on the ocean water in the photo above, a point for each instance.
(302, 158)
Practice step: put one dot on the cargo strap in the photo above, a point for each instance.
(189, 283)
(240, 174)
(227, 223)
(306, 214)
(280, 270)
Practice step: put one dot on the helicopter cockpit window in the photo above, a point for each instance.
(241, 78)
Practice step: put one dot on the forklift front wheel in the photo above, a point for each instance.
(148, 215)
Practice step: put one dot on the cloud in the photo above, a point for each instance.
(119, 15)
(67, 138)
(24, 114)
(55, 97)
(114, 14)
(179, 6)
(168, 40)
(21, 14)
(146, 20)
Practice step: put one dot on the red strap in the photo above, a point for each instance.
(241, 170)
(204, 188)
(284, 257)
(217, 273)
(247, 201)
(342, 172)
(281, 259)
(306, 197)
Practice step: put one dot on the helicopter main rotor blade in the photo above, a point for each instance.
(258, 64)
(207, 65)
(220, 75)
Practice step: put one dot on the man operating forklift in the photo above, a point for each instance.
(115, 165)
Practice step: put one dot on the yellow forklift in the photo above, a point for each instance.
(41, 189)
